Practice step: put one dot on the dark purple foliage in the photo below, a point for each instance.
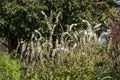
(115, 47)
(115, 33)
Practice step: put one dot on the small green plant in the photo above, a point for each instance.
(9, 68)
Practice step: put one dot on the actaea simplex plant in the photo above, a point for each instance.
(37, 49)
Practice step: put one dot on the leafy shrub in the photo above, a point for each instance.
(9, 68)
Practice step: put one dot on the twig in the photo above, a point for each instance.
(57, 49)
(47, 21)
(88, 23)
(62, 37)
(71, 26)
(57, 18)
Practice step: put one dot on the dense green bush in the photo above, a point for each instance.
(9, 68)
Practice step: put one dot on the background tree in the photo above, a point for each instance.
(19, 18)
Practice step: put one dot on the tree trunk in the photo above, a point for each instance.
(12, 43)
